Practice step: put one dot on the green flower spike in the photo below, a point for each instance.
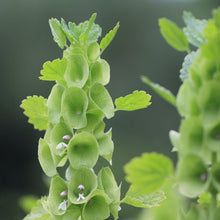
(193, 176)
(83, 150)
(82, 183)
(74, 106)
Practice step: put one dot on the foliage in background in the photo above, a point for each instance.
(197, 143)
(75, 134)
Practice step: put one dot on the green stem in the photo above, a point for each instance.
(213, 202)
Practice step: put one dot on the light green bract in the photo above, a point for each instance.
(134, 101)
(73, 117)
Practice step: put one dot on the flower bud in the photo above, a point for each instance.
(66, 137)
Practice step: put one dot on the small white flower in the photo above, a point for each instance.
(110, 162)
(81, 196)
(119, 208)
(61, 145)
(63, 205)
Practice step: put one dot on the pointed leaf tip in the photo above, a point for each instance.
(108, 37)
(174, 36)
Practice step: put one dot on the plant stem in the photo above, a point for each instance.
(213, 202)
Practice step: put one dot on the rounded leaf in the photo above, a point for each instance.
(74, 106)
(85, 177)
(77, 70)
(83, 150)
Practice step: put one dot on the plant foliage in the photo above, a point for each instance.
(197, 142)
(75, 134)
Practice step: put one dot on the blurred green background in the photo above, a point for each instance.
(138, 49)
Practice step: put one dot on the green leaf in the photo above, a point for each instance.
(194, 29)
(35, 107)
(163, 92)
(108, 38)
(87, 32)
(45, 158)
(54, 71)
(27, 202)
(184, 72)
(149, 172)
(137, 199)
(136, 100)
(174, 36)
(91, 21)
(57, 32)
(83, 150)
